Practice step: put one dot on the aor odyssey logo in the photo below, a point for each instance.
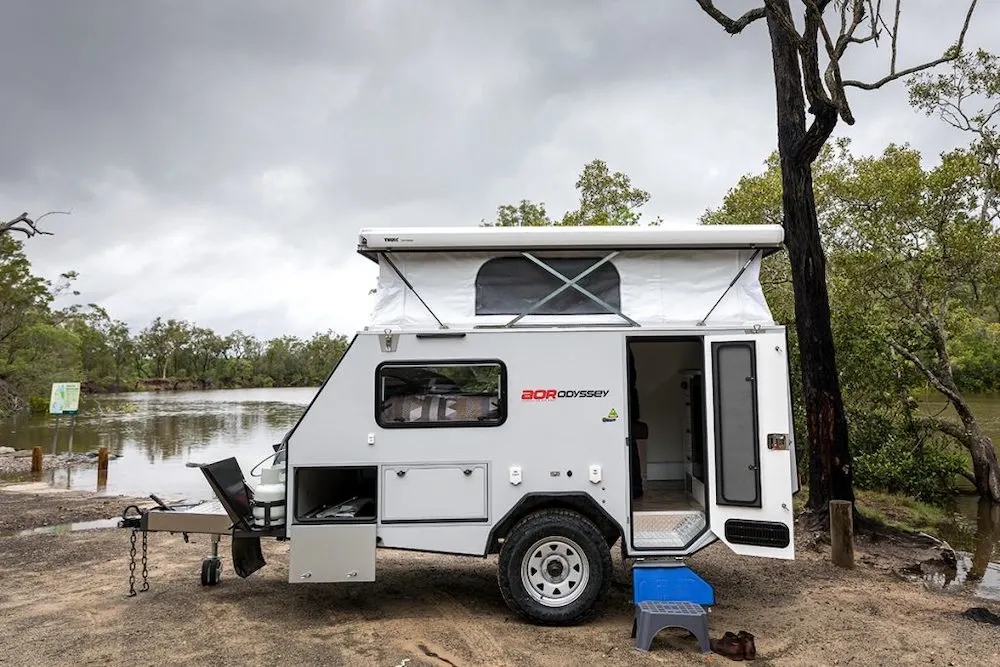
(552, 394)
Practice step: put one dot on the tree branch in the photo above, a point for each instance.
(809, 55)
(951, 54)
(847, 31)
(895, 31)
(824, 121)
(26, 225)
(928, 373)
(944, 426)
(733, 27)
(968, 475)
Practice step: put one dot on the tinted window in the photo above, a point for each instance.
(512, 285)
(452, 394)
(736, 453)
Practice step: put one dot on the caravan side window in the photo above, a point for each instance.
(512, 285)
(430, 394)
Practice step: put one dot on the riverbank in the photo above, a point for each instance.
(29, 505)
(18, 462)
(436, 610)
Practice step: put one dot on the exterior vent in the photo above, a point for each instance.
(757, 533)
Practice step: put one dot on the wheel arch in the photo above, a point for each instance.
(579, 502)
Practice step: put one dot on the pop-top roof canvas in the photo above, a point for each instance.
(653, 288)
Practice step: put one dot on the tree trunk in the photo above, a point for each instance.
(984, 456)
(985, 467)
(830, 469)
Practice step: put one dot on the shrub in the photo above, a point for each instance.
(926, 472)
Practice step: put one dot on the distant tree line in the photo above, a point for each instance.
(40, 344)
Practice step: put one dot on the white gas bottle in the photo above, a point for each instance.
(270, 490)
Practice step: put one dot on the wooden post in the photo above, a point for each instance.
(842, 533)
(102, 468)
(36, 460)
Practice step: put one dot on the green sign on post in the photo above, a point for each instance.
(65, 399)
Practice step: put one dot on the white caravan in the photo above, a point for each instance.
(541, 394)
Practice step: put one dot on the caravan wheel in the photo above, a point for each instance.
(554, 566)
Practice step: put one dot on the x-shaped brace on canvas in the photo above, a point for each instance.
(574, 283)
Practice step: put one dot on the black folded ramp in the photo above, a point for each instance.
(230, 487)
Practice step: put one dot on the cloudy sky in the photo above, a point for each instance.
(220, 156)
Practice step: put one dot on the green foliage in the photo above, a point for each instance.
(606, 198)
(42, 354)
(524, 214)
(976, 356)
(22, 294)
(926, 473)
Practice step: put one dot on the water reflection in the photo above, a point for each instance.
(155, 434)
(987, 538)
(977, 544)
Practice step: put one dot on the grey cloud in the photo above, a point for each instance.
(292, 124)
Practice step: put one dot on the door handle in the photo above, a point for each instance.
(467, 471)
(400, 473)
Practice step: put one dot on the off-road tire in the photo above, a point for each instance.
(554, 523)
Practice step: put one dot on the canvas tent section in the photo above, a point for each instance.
(461, 277)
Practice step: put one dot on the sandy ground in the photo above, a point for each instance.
(62, 601)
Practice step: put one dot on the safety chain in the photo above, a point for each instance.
(134, 523)
(131, 564)
(131, 567)
(145, 572)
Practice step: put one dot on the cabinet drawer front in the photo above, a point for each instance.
(332, 552)
(434, 493)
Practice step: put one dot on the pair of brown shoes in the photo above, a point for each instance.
(736, 647)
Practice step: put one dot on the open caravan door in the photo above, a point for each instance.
(749, 442)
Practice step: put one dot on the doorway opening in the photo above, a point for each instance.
(668, 443)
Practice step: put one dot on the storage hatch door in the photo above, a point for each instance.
(323, 553)
(434, 493)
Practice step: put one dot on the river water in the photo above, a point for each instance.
(157, 433)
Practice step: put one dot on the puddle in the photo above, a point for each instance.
(974, 533)
(68, 527)
(964, 577)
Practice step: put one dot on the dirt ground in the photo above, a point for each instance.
(62, 601)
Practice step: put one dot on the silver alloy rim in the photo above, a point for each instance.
(555, 571)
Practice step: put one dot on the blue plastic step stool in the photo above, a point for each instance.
(651, 617)
(669, 594)
(669, 581)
